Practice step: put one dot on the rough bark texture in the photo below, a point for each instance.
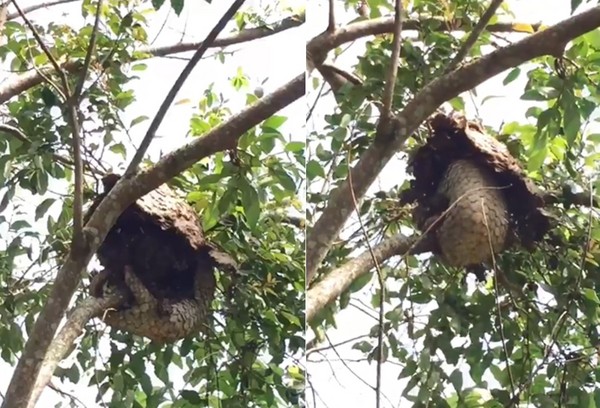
(337, 281)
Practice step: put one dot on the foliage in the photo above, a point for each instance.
(246, 198)
(453, 339)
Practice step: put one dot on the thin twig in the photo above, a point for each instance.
(3, 15)
(390, 78)
(331, 25)
(474, 35)
(381, 295)
(88, 55)
(162, 111)
(35, 7)
(497, 296)
(37, 37)
(73, 121)
(73, 103)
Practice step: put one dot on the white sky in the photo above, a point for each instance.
(257, 59)
(342, 384)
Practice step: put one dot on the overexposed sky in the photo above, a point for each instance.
(349, 383)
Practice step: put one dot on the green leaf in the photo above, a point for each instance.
(360, 282)
(191, 396)
(294, 147)
(43, 207)
(456, 378)
(591, 294)
(157, 4)
(571, 118)
(512, 75)
(138, 120)
(119, 148)
(177, 6)
(250, 202)
(314, 170)
(274, 122)
(286, 181)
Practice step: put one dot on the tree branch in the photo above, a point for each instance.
(390, 78)
(223, 137)
(318, 47)
(61, 345)
(474, 35)
(243, 36)
(187, 70)
(331, 24)
(338, 280)
(70, 111)
(21, 83)
(547, 42)
(35, 7)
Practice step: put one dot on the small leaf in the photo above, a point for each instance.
(591, 294)
(43, 207)
(274, 122)
(360, 282)
(191, 396)
(250, 201)
(512, 75)
(523, 28)
(294, 147)
(177, 6)
(157, 4)
(138, 120)
(314, 170)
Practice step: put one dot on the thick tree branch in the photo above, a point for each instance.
(61, 345)
(243, 36)
(221, 138)
(319, 46)
(547, 42)
(30, 79)
(187, 70)
(337, 281)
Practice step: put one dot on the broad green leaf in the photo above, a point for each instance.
(41, 209)
(250, 201)
(512, 75)
(274, 122)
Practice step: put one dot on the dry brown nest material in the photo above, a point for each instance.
(157, 256)
(472, 196)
